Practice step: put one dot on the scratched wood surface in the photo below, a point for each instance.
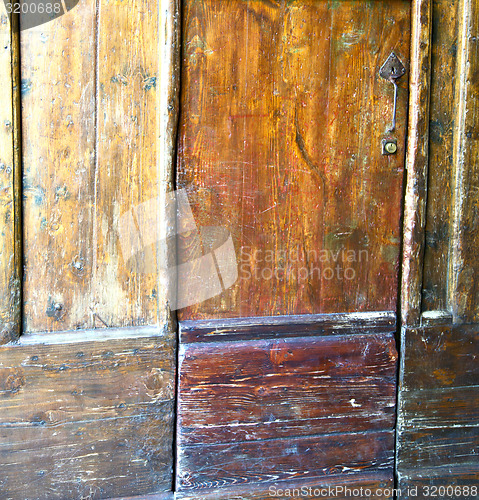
(10, 175)
(442, 130)
(338, 487)
(86, 418)
(438, 412)
(464, 288)
(282, 117)
(243, 391)
(94, 104)
(228, 464)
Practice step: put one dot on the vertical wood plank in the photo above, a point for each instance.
(464, 266)
(280, 142)
(417, 163)
(442, 132)
(10, 179)
(100, 93)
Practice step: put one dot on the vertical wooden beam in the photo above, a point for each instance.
(10, 180)
(416, 163)
(441, 166)
(464, 265)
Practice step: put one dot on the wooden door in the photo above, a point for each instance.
(288, 377)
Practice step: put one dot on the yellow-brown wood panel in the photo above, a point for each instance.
(283, 114)
(93, 96)
(10, 175)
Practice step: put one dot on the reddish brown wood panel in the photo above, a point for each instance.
(240, 391)
(88, 418)
(222, 465)
(282, 116)
(377, 485)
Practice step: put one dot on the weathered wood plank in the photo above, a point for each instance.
(464, 266)
(441, 356)
(267, 461)
(240, 391)
(438, 447)
(86, 418)
(445, 407)
(286, 326)
(283, 113)
(58, 125)
(427, 483)
(10, 180)
(440, 170)
(417, 163)
(332, 487)
(99, 126)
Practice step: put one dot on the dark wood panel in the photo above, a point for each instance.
(464, 285)
(425, 484)
(333, 487)
(283, 113)
(286, 326)
(441, 356)
(443, 108)
(238, 391)
(431, 447)
(445, 407)
(266, 461)
(86, 417)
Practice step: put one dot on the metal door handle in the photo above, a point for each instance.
(391, 71)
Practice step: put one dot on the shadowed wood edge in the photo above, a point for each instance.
(416, 163)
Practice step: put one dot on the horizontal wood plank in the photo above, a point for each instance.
(87, 418)
(239, 391)
(440, 356)
(459, 482)
(266, 461)
(445, 407)
(287, 326)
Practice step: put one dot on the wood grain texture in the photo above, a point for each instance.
(438, 403)
(342, 455)
(86, 418)
(286, 326)
(429, 447)
(10, 180)
(242, 391)
(340, 488)
(464, 268)
(283, 113)
(419, 484)
(440, 357)
(442, 130)
(96, 100)
(417, 163)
